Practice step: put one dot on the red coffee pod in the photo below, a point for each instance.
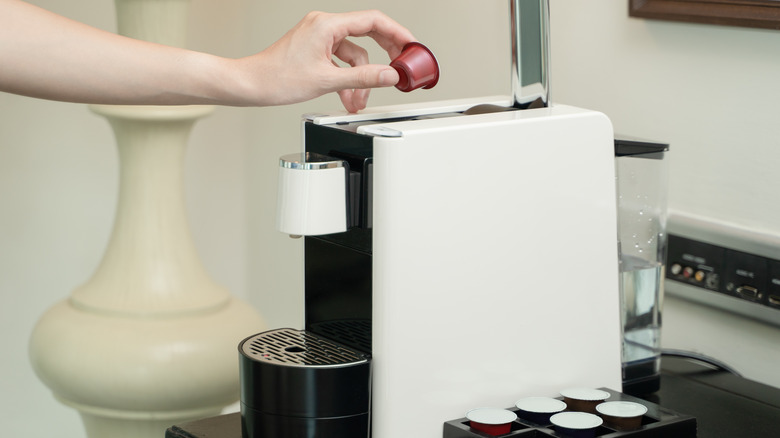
(417, 67)
(491, 421)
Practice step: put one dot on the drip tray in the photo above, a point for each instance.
(296, 383)
(288, 347)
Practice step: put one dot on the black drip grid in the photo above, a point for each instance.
(289, 347)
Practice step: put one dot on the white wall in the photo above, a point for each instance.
(708, 90)
(712, 93)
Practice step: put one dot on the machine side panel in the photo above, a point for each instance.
(495, 266)
(338, 266)
(338, 291)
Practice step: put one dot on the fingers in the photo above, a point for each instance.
(372, 76)
(354, 100)
(390, 35)
(351, 53)
(365, 76)
(353, 83)
(331, 32)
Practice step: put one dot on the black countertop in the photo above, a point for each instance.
(725, 405)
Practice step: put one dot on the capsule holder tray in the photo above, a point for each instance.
(657, 422)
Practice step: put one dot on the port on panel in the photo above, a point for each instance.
(712, 281)
(748, 293)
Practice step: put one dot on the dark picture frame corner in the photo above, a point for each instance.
(763, 14)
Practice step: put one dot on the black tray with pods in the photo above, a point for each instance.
(657, 422)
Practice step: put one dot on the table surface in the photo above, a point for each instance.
(725, 405)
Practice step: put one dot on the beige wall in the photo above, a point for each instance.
(710, 91)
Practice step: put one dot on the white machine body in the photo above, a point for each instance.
(495, 265)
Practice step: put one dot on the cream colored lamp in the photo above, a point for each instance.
(150, 340)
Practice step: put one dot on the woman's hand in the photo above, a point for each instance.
(300, 65)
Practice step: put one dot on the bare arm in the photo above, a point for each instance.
(48, 56)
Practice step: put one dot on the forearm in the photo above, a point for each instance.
(48, 56)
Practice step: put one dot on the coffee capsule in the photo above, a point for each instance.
(622, 415)
(417, 67)
(491, 421)
(539, 409)
(583, 399)
(576, 424)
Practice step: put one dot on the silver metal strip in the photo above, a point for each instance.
(309, 161)
(530, 25)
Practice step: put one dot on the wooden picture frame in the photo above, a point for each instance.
(763, 14)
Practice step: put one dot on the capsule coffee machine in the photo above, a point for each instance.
(458, 254)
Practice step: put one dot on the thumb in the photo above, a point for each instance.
(367, 76)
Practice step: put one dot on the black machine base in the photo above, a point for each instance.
(296, 384)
